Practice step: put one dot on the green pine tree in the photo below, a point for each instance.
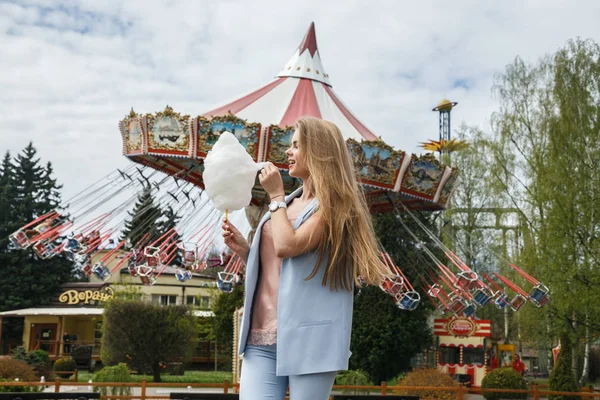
(385, 338)
(144, 218)
(29, 190)
(168, 221)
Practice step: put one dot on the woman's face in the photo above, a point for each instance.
(296, 159)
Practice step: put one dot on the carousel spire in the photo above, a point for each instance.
(306, 61)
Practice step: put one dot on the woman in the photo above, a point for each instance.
(306, 257)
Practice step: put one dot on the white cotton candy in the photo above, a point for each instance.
(229, 174)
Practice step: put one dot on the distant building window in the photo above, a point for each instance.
(449, 355)
(473, 355)
(201, 302)
(164, 299)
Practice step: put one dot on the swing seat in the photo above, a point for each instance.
(457, 306)
(101, 271)
(539, 295)
(198, 266)
(87, 269)
(152, 261)
(146, 274)
(392, 286)
(225, 281)
(466, 280)
(132, 270)
(517, 302)
(189, 258)
(434, 291)
(481, 297)
(408, 300)
(44, 250)
(183, 275)
(469, 310)
(152, 252)
(226, 287)
(72, 245)
(501, 301)
(148, 280)
(239, 280)
(19, 239)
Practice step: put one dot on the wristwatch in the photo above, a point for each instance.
(276, 205)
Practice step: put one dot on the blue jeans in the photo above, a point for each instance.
(258, 380)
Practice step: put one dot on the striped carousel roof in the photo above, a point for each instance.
(301, 88)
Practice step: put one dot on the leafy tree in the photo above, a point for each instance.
(223, 308)
(561, 377)
(546, 153)
(143, 219)
(146, 335)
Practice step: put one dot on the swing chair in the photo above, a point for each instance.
(101, 271)
(188, 254)
(466, 280)
(19, 240)
(183, 275)
(86, 268)
(539, 294)
(405, 296)
(392, 285)
(152, 256)
(146, 274)
(482, 296)
(225, 281)
(408, 300)
(517, 302)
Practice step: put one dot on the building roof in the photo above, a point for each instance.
(301, 88)
(75, 311)
(59, 311)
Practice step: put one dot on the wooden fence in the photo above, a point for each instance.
(534, 391)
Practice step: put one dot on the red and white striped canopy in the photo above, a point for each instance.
(301, 88)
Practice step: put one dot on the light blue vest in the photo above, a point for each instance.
(313, 322)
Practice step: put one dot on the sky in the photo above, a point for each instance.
(71, 70)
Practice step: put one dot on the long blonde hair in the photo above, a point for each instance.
(348, 238)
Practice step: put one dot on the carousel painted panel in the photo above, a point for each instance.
(132, 134)
(209, 131)
(278, 141)
(449, 187)
(422, 177)
(376, 163)
(168, 133)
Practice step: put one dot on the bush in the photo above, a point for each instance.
(19, 389)
(11, 369)
(65, 364)
(353, 378)
(117, 373)
(176, 368)
(503, 378)
(561, 377)
(38, 357)
(428, 377)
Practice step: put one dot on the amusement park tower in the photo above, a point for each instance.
(444, 107)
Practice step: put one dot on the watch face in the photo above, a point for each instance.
(273, 206)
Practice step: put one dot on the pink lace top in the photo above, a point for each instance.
(263, 331)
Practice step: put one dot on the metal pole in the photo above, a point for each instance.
(216, 354)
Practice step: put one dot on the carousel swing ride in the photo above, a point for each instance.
(171, 163)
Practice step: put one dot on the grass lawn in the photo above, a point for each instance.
(189, 377)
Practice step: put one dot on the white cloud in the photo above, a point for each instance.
(69, 71)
